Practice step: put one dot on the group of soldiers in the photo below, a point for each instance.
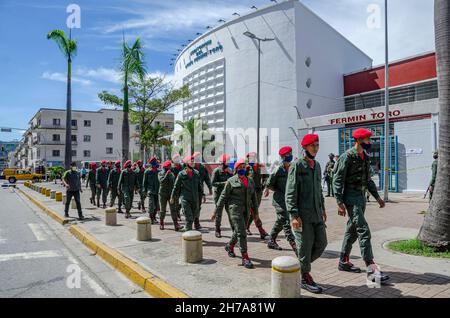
(297, 198)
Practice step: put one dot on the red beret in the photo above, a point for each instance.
(139, 162)
(153, 159)
(285, 150)
(128, 162)
(93, 165)
(118, 162)
(224, 158)
(238, 163)
(188, 159)
(361, 133)
(103, 162)
(309, 139)
(177, 155)
(167, 164)
(251, 154)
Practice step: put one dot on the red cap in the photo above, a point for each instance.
(224, 158)
(139, 162)
(361, 133)
(238, 163)
(128, 162)
(251, 154)
(93, 165)
(188, 159)
(285, 150)
(167, 164)
(309, 139)
(103, 162)
(177, 155)
(153, 159)
(118, 162)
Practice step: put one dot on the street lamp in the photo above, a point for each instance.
(386, 115)
(254, 37)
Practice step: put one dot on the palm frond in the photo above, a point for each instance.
(67, 47)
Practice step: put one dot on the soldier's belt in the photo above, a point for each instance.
(356, 187)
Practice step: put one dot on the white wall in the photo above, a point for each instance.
(329, 143)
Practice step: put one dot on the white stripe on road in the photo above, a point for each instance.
(38, 231)
(29, 255)
(2, 239)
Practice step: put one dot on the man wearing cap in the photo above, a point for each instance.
(351, 180)
(204, 178)
(128, 183)
(240, 195)
(277, 183)
(140, 170)
(254, 172)
(90, 180)
(433, 173)
(101, 180)
(176, 168)
(150, 186)
(166, 182)
(220, 176)
(328, 175)
(306, 207)
(113, 182)
(188, 190)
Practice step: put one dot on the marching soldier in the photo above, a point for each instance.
(140, 170)
(254, 172)
(101, 180)
(328, 175)
(188, 190)
(204, 178)
(305, 204)
(433, 174)
(150, 186)
(113, 182)
(277, 183)
(220, 176)
(91, 182)
(351, 179)
(240, 195)
(128, 183)
(166, 182)
(176, 168)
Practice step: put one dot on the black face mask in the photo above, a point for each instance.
(435, 156)
(309, 155)
(224, 165)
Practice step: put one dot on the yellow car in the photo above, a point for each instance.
(13, 174)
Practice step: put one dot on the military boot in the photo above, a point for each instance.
(177, 226)
(263, 234)
(309, 284)
(197, 225)
(98, 203)
(161, 224)
(273, 245)
(230, 250)
(346, 266)
(218, 234)
(246, 262)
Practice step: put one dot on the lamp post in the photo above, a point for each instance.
(386, 115)
(254, 37)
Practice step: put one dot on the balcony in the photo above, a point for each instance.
(53, 127)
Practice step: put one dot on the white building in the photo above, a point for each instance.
(96, 135)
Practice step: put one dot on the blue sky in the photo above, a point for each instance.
(32, 70)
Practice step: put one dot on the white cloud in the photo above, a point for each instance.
(59, 77)
(101, 73)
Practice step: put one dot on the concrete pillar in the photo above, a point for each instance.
(64, 199)
(285, 277)
(58, 196)
(111, 217)
(47, 192)
(144, 229)
(52, 194)
(73, 204)
(192, 246)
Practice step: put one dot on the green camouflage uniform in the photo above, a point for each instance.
(150, 186)
(166, 183)
(329, 168)
(101, 178)
(257, 178)
(304, 199)
(91, 181)
(351, 179)
(128, 183)
(176, 170)
(113, 182)
(218, 180)
(140, 176)
(204, 178)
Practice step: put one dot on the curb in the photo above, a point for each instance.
(58, 218)
(134, 272)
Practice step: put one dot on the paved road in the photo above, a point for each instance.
(38, 259)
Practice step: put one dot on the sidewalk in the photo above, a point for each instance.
(221, 276)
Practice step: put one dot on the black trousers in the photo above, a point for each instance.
(76, 196)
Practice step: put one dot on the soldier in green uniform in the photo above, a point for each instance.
(166, 182)
(101, 180)
(113, 182)
(140, 170)
(240, 195)
(188, 189)
(305, 204)
(150, 186)
(204, 178)
(433, 174)
(277, 183)
(351, 179)
(328, 175)
(176, 168)
(254, 172)
(90, 180)
(128, 183)
(220, 176)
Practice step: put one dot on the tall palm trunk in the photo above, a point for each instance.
(68, 145)
(125, 124)
(435, 230)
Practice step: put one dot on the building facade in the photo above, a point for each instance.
(7, 148)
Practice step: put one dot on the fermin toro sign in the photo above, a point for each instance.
(202, 51)
(363, 117)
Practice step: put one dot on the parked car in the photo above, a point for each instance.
(14, 174)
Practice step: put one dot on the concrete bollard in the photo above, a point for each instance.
(52, 194)
(192, 246)
(47, 192)
(144, 229)
(58, 196)
(285, 277)
(111, 217)
(42, 191)
(73, 204)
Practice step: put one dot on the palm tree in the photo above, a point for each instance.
(132, 63)
(435, 230)
(69, 48)
(190, 128)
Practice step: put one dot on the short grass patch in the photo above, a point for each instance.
(416, 247)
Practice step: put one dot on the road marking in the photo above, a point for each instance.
(29, 255)
(2, 239)
(38, 231)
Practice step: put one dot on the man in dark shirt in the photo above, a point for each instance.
(71, 181)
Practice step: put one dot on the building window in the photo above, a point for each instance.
(109, 121)
(109, 136)
(74, 138)
(56, 122)
(55, 153)
(87, 138)
(56, 138)
(74, 123)
(87, 153)
(87, 123)
(74, 153)
(109, 151)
